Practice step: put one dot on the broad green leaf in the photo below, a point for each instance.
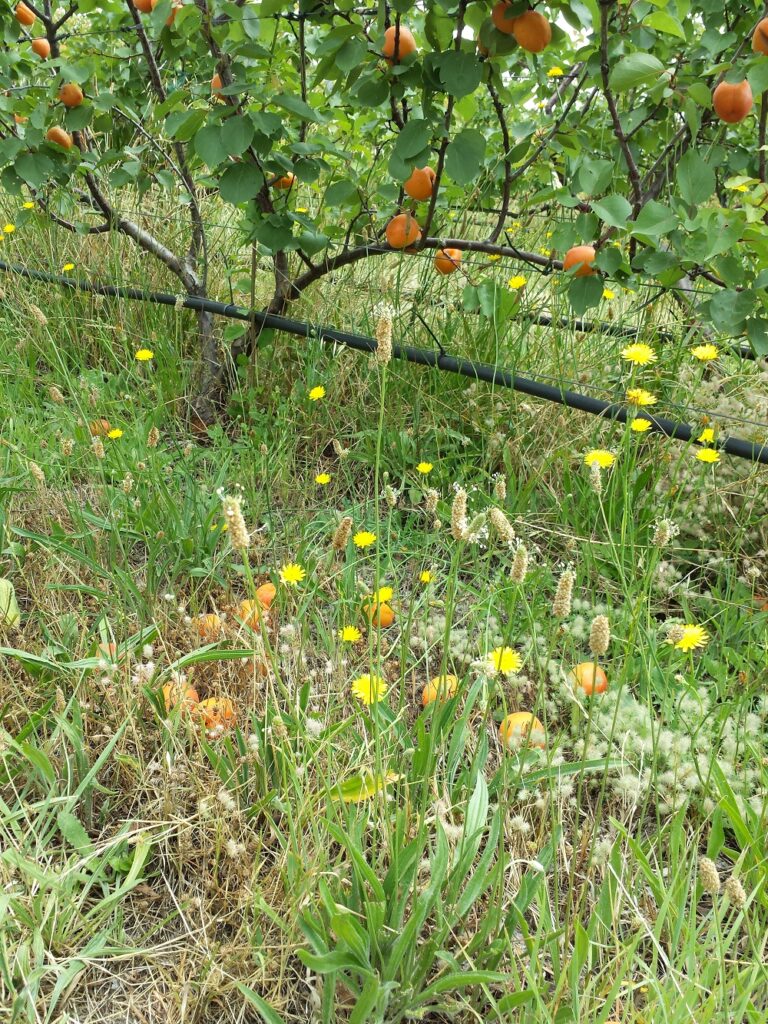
(261, 1006)
(612, 210)
(634, 70)
(584, 293)
(236, 134)
(209, 146)
(654, 219)
(465, 155)
(296, 105)
(413, 138)
(240, 182)
(695, 178)
(460, 72)
(358, 788)
(663, 21)
(72, 829)
(9, 606)
(757, 332)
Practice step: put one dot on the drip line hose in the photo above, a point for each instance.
(487, 372)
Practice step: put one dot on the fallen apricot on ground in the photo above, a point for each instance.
(440, 688)
(99, 428)
(265, 594)
(590, 677)
(180, 695)
(380, 615)
(209, 626)
(402, 231)
(218, 713)
(521, 729)
(249, 612)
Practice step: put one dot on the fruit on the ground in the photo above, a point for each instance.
(286, 182)
(61, 138)
(24, 16)
(380, 615)
(582, 257)
(760, 37)
(500, 19)
(532, 31)
(732, 101)
(762, 602)
(218, 713)
(521, 729)
(440, 688)
(180, 695)
(406, 44)
(403, 231)
(41, 47)
(71, 95)
(249, 612)
(209, 626)
(589, 677)
(108, 651)
(265, 594)
(99, 428)
(447, 260)
(421, 183)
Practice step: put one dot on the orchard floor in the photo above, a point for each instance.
(328, 859)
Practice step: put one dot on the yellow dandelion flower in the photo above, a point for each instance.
(504, 660)
(301, 209)
(693, 637)
(323, 479)
(9, 229)
(707, 436)
(639, 396)
(350, 634)
(639, 353)
(369, 689)
(144, 355)
(364, 539)
(425, 576)
(292, 574)
(608, 294)
(424, 468)
(28, 206)
(601, 457)
(67, 267)
(317, 393)
(705, 353)
(517, 282)
(494, 256)
(383, 594)
(555, 72)
(115, 433)
(709, 455)
(640, 425)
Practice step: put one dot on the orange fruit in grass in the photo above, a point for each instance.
(440, 688)
(421, 183)
(249, 612)
(61, 138)
(41, 47)
(589, 677)
(209, 626)
(503, 22)
(99, 428)
(24, 16)
(522, 729)
(447, 260)
(403, 231)
(532, 31)
(71, 95)
(760, 37)
(406, 44)
(180, 695)
(582, 257)
(218, 713)
(732, 101)
(265, 594)
(380, 615)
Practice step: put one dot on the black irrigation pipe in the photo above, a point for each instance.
(421, 356)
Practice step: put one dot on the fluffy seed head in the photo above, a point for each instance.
(342, 533)
(561, 606)
(709, 876)
(384, 336)
(519, 564)
(599, 635)
(233, 515)
(502, 526)
(459, 529)
(734, 890)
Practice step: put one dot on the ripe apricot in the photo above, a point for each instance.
(287, 181)
(265, 594)
(61, 138)
(249, 612)
(145, 6)
(216, 86)
(403, 231)
(732, 101)
(590, 677)
(501, 20)
(18, 119)
(760, 37)
(447, 260)
(208, 626)
(406, 44)
(175, 8)
(41, 47)
(380, 615)
(532, 31)
(24, 16)
(71, 95)
(218, 713)
(180, 695)
(582, 257)
(421, 183)
(99, 428)
(521, 729)
(440, 688)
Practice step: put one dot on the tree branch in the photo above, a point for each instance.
(618, 131)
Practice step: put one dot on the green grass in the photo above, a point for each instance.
(327, 860)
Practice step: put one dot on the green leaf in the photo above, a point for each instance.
(695, 178)
(358, 788)
(413, 139)
(460, 72)
(728, 309)
(262, 1007)
(240, 182)
(340, 192)
(662, 21)
(34, 168)
(465, 155)
(236, 134)
(296, 105)
(209, 146)
(9, 606)
(584, 293)
(72, 830)
(757, 332)
(654, 219)
(612, 210)
(634, 70)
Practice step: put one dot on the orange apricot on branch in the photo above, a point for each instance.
(216, 86)
(402, 39)
(71, 95)
(589, 677)
(439, 689)
(760, 37)
(41, 47)
(732, 101)
(403, 231)
(447, 260)
(287, 181)
(522, 729)
(63, 138)
(532, 31)
(145, 6)
(421, 184)
(503, 21)
(581, 257)
(24, 16)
